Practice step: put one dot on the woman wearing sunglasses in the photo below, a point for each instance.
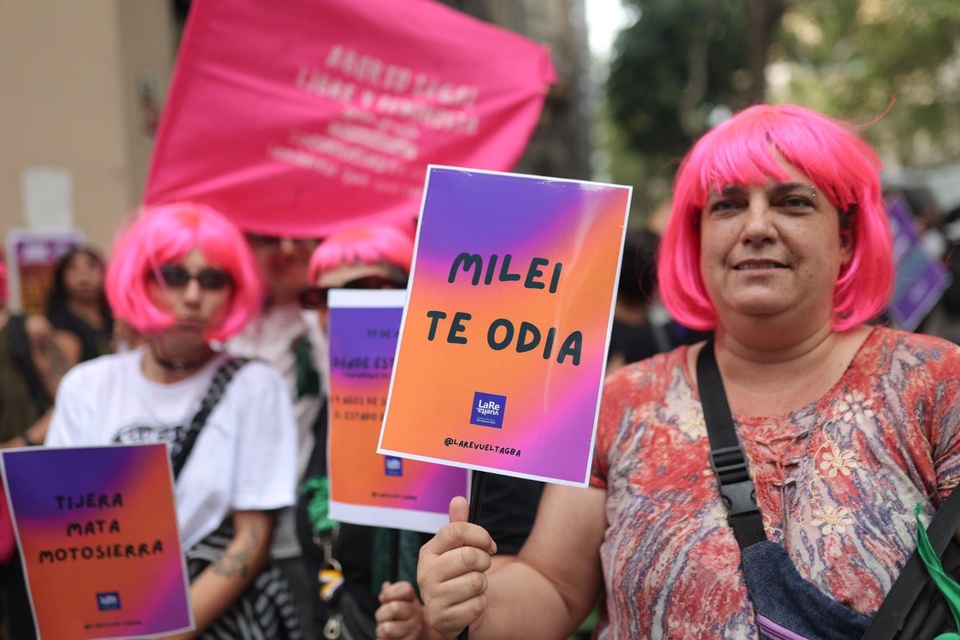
(183, 276)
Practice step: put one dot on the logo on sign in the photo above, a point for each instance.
(488, 409)
(393, 465)
(108, 601)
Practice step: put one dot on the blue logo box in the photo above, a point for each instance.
(488, 409)
(393, 466)
(108, 601)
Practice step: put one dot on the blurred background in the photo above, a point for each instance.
(84, 86)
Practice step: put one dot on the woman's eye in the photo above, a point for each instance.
(721, 206)
(796, 202)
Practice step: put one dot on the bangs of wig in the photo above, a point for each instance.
(371, 244)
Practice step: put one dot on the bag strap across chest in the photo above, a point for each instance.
(215, 391)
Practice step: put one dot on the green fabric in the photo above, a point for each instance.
(307, 377)
(318, 505)
(948, 587)
(381, 563)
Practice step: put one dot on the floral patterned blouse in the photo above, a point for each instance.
(837, 482)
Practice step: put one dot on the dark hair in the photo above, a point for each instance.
(58, 294)
(638, 269)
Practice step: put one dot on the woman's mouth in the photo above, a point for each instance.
(757, 265)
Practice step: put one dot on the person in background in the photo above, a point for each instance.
(379, 257)
(290, 339)
(778, 242)
(33, 360)
(77, 304)
(183, 276)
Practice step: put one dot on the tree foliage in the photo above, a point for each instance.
(675, 66)
(893, 61)
(858, 59)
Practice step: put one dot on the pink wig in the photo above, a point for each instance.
(165, 234)
(371, 244)
(745, 150)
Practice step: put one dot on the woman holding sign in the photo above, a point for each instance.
(777, 242)
(183, 276)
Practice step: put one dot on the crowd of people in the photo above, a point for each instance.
(774, 260)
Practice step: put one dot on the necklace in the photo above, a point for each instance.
(180, 366)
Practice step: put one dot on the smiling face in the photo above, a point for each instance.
(773, 250)
(196, 310)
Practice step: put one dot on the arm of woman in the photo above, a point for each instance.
(53, 351)
(545, 593)
(223, 581)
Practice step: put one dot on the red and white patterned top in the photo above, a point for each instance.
(837, 482)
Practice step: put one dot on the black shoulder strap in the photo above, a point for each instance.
(218, 385)
(904, 592)
(726, 456)
(22, 354)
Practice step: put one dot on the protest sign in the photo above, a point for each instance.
(504, 337)
(32, 256)
(921, 278)
(97, 531)
(365, 486)
(304, 116)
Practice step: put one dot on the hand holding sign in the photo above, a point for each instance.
(451, 572)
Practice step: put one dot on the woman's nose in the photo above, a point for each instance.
(758, 225)
(192, 290)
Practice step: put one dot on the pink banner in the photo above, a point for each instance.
(300, 117)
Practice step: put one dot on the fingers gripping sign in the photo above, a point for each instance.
(400, 615)
(451, 572)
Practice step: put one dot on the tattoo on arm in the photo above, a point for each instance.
(238, 563)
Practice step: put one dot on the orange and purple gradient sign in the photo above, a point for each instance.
(97, 531)
(504, 337)
(365, 486)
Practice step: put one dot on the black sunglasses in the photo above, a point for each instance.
(177, 277)
(316, 297)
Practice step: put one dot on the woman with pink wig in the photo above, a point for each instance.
(778, 243)
(183, 276)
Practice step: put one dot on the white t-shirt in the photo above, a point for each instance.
(244, 458)
(271, 337)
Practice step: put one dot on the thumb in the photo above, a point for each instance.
(459, 509)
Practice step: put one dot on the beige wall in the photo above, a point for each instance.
(71, 74)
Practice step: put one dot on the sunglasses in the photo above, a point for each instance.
(177, 277)
(316, 297)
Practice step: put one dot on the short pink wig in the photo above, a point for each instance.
(744, 150)
(371, 244)
(165, 234)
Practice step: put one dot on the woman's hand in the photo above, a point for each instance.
(400, 615)
(451, 572)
